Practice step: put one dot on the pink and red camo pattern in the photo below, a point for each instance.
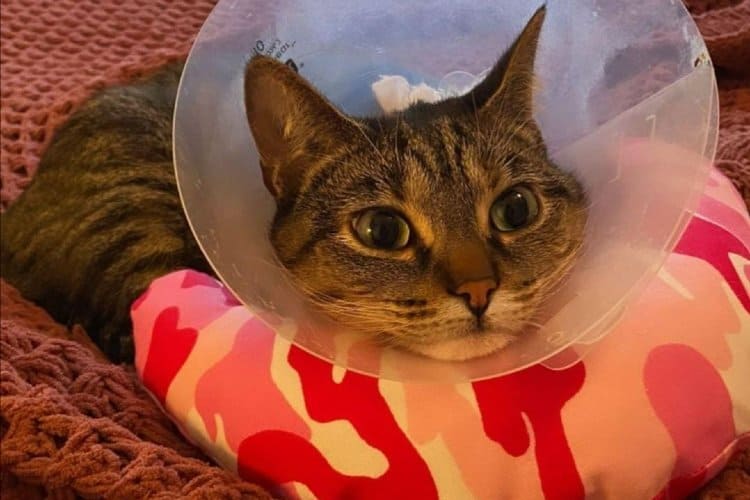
(655, 410)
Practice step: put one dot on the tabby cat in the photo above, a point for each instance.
(439, 229)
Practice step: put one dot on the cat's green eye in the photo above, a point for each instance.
(382, 229)
(515, 208)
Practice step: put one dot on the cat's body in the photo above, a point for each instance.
(102, 217)
(439, 230)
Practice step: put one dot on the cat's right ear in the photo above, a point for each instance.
(292, 123)
(508, 89)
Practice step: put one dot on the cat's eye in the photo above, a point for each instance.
(515, 208)
(382, 229)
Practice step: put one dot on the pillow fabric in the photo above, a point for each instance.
(654, 410)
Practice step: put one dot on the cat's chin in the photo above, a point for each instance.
(464, 348)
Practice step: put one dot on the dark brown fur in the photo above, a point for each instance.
(103, 218)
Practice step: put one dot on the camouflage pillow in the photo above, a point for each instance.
(654, 410)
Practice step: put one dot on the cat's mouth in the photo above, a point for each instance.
(480, 326)
(477, 338)
(477, 343)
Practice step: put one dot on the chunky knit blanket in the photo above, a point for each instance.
(73, 425)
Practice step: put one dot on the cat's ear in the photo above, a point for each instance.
(291, 122)
(509, 87)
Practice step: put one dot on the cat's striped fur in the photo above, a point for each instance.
(102, 218)
(441, 166)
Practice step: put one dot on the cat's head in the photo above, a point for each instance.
(440, 229)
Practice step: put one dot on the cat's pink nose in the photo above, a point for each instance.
(477, 294)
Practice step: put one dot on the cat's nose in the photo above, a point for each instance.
(477, 294)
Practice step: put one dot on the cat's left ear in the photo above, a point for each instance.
(508, 89)
(292, 123)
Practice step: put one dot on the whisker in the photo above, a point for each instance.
(360, 127)
(395, 140)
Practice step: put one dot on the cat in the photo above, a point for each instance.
(439, 230)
